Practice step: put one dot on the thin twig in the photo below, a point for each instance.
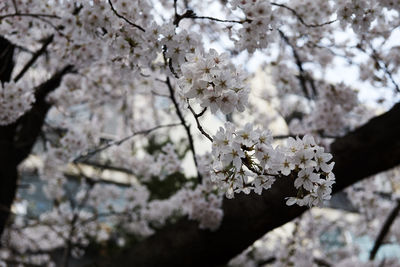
(92, 152)
(196, 117)
(105, 166)
(158, 94)
(303, 77)
(122, 17)
(385, 68)
(190, 14)
(176, 9)
(284, 136)
(185, 125)
(33, 15)
(301, 19)
(221, 20)
(38, 16)
(73, 223)
(15, 6)
(379, 62)
(384, 230)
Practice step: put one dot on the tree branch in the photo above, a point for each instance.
(384, 230)
(8, 171)
(125, 19)
(32, 15)
(380, 64)
(18, 138)
(185, 125)
(6, 59)
(364, 152)
(34, 57)
(303, 77)
(301, 19)
(190, 14)
(92, 152)
(30, 124)
(196, 117)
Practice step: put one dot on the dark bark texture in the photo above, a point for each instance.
(18, 138)
(8, 169)
(370, 149)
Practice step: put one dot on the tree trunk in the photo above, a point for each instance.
(8, 169)
(18, 138)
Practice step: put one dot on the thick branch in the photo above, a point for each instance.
(34, 57)
(31, 123)
(17, 140)
(368, 150)
(8, 170)
(6, 59)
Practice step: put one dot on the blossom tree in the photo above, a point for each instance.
(164, 93)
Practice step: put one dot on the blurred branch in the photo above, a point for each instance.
(32, 15)
(125, 19)
(384, 230)
(380, 64)
(75, 218)
(303, 76)
(34, 57)
(300, 18)
(30, 124)
(94, 151)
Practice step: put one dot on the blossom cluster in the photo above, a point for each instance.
(330, 112)
(359, 13)
(245, 160)
(167, 162)
(120, 65)
(258, 27)
(71, 145)
(176, 44)
(205, 206)
(15, 100)
(128, 207)
(214, 81)
(145, 165)
(200, 204)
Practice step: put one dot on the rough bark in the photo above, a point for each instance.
(8, 173)
(18, 138)
(6, 59)
(372, 148)
(30, 124)
(8, 170)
